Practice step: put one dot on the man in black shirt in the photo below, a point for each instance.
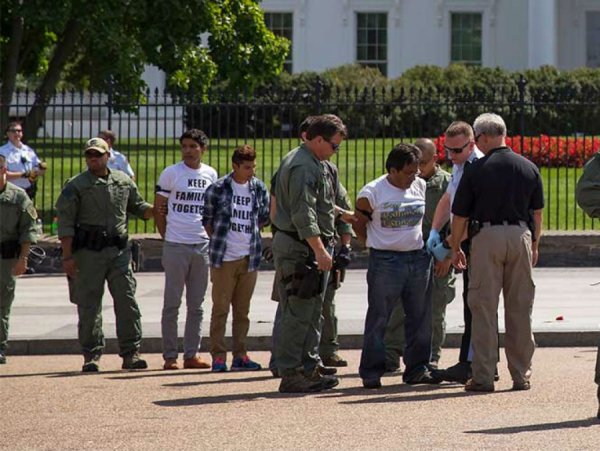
(501, 197)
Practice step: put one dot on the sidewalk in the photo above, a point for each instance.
(44, 322)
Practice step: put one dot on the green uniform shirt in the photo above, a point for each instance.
(18, 215)
(89, 200)
(436, 187)
(304, 196)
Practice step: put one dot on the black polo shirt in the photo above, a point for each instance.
(502, 186)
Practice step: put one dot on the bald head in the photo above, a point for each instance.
(427, 164)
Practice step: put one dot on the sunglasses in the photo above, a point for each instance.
(456, 149)
(334, 146)
(15, 130)
(93, 154)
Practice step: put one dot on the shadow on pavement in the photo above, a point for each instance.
(221, 381)
(223, 399)
(540, 427)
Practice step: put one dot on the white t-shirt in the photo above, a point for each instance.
(184, 187)
(240, 227)
(397, 215)
(20, 160)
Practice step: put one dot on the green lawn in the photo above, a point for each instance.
(360, 161)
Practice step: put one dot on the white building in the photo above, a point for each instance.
(396, 35)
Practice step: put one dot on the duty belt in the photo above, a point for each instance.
(515, 222)
(327, 241)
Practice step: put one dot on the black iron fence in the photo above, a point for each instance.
(557, 131)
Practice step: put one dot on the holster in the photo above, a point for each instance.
(306, 281)
(10, 249)
(473, 228)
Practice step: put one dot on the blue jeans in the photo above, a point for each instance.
(395, 277)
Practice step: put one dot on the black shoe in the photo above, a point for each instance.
(426, 377)
(334, 360)
(275, 373)
(2, 358)
(392, 367)
(326, 370)
(461, 373)
(91, 363)
(299, 383)
(520, 386)
(372, 383)
(134, 362)
(326, 382)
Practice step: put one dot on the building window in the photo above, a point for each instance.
(281, 24)
(465, 41)
(371, 40)
(592, 38)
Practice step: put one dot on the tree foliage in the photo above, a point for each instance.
(87, 45)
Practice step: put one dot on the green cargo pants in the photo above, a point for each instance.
(300, 326)
(7, 296)
(443, 293)
(329, 345)
(86, 290)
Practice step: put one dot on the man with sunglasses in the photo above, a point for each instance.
(460, 145)
(304, 218)
(23, 165)
(92, 227)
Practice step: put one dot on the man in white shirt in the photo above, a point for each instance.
(460, 145)
(391, 210)
(180, 192)
(236, 207)
(117, 161)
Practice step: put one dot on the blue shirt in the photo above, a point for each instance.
(217, 214)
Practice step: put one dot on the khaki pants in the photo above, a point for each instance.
(501, 261)
(232, 285)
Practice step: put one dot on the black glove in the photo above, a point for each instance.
(342, 257)
(267, 254)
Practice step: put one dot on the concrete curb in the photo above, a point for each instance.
(263, 343)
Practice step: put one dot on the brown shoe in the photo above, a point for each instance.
(170, 364)
(195, 363)
(519, 386)
(471, 385)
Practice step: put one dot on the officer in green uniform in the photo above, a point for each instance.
(329, 345)
(444, 280)
(17, 232)
(304, 218)
(92, 226)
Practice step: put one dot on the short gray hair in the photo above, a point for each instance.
(489, 124)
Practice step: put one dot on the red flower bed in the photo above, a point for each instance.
(543, 150)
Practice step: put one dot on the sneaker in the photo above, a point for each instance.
(170, 364)
(195, 363)
(371, 383)
(334, 360)
(471, 385)
(244, 364)
(219, 365)
(2, 358)
(426, 377)
(461, 373)
(299, 383)
(91, 364)
(134, 362)
(520, 386)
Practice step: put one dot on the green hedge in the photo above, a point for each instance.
(423, 101)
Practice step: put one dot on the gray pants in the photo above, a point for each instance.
(185, 265)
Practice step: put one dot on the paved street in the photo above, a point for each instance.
(42, 311)
(48, 405)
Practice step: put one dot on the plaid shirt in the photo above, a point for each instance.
(217, 214)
